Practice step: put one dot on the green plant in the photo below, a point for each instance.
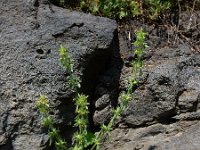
(140, 47)
(62, 2)
(66, 60)
(73, 82)
(47, 121)
(126, 8)
(119, 8)
(112, 8)
(43, 104)
(157, 6)
(67, 63)
(82, 138)
(125, 96)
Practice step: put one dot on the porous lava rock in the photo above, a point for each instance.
(164, 111)
(31, 32)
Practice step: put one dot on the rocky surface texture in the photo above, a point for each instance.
(31, 32)
(164, 112)
(163, 115)
(170, 85)
(176, 136)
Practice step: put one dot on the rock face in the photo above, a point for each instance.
(31, 32)
(164, 113)
(176, 136)
(170, 86)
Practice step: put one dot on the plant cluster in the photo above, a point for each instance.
(47, 121)
(157, 7)
(67, 63)
(140, 47)
(82, 138)
(112, 8)
(121, 8)
(126, 96)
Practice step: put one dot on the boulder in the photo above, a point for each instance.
(164, 112)
(31, 32)
(169, 86)
(176, 136)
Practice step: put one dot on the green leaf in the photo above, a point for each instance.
(122, 14)
(78, 137)
(81, 122)
(89, 139)
(61, 145)
(43, 104)
(81, 100)
(73, 82)
(47, 121)
(53, 134)
(117, 111)
(106, 128)
(65, 59)
(125, 97)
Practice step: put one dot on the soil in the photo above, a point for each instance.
(173, 28)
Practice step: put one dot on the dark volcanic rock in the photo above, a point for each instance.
(169, 86)
(164, 113)
(176, 136)
(31, 32)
